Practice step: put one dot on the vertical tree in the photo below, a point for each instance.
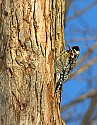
(32, 37)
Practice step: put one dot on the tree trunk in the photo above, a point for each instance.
(31, 38)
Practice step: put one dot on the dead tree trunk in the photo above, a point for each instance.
(32, 36)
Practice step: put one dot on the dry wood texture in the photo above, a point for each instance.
(32, 36)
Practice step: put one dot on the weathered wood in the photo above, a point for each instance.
(32, 37)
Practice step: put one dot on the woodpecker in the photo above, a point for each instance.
(69, 64)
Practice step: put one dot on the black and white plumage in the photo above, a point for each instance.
(70, 64)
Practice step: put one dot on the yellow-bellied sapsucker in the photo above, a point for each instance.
(67, 64)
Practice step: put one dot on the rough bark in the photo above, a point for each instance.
(31, 38)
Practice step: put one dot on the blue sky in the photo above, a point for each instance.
(84, 25)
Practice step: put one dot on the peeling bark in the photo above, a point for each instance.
(32, 36)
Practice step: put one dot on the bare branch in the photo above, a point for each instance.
(80, 39)
(81, 98)
(81, 11)
(83, 68)
(88, 52)
(92, 121)
(90, 110)
(68, 3)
